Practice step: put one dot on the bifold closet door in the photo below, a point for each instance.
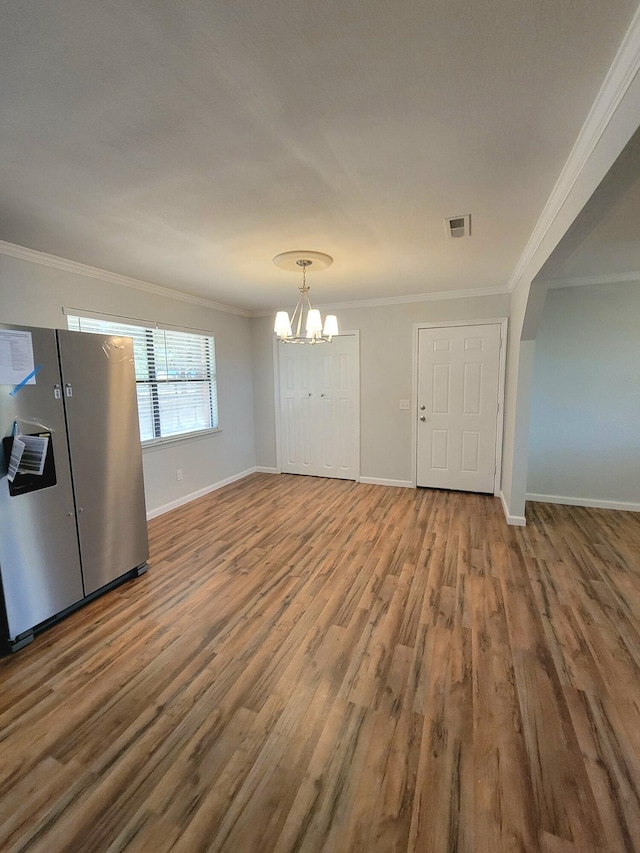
(319, 407)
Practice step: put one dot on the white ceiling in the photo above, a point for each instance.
(186, 144)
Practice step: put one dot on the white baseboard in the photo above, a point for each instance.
(377, 481)
(515, 520)
(589, 502)
(185, 499)
(260, 469)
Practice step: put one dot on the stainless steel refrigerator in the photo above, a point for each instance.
(78, 527)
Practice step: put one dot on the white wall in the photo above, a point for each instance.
(386, 372)
(584, 435)
(32, 294)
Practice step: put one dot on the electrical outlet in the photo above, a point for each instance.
(404, 404)
(179, 474)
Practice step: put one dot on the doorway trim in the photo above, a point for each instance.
(504, 323)
(276, 399)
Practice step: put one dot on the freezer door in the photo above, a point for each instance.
(106, 458)
(39, 559)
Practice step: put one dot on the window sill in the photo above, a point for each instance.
(158, 443)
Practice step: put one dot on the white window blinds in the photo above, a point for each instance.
(175, 377)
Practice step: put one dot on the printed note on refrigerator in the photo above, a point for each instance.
(28, 455)
(16, 357)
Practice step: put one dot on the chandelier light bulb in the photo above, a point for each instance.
(283, 324)
(314, 320)
(330, 326)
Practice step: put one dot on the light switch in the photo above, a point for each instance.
(404, 404)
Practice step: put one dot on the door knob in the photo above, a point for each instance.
(422, 408)
(422, 418)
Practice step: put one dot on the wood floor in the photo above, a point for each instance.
(320, 665)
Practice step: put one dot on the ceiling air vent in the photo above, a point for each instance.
(458, 226)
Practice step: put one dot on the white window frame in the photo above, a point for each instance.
(74, 321)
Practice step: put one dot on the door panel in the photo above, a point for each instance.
(326, 445)
(470, 452)
(441, 389)
(305, 427)
(337, 438)
(289, 431)
(472, 389)
(296, 422)
(345, 433)
(458, 378)
(439, 450)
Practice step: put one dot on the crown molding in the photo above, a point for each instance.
(436, 296)
(53, 261)
(620, 76)
(583, 281)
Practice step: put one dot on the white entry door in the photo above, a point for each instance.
(319, 391)
(458, 382)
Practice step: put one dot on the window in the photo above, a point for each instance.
(175, 377)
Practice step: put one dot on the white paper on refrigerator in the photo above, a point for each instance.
(16, 357)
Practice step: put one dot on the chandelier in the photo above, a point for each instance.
(290, 330)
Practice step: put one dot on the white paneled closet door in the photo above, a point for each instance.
(319, 399)
(458, 382)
